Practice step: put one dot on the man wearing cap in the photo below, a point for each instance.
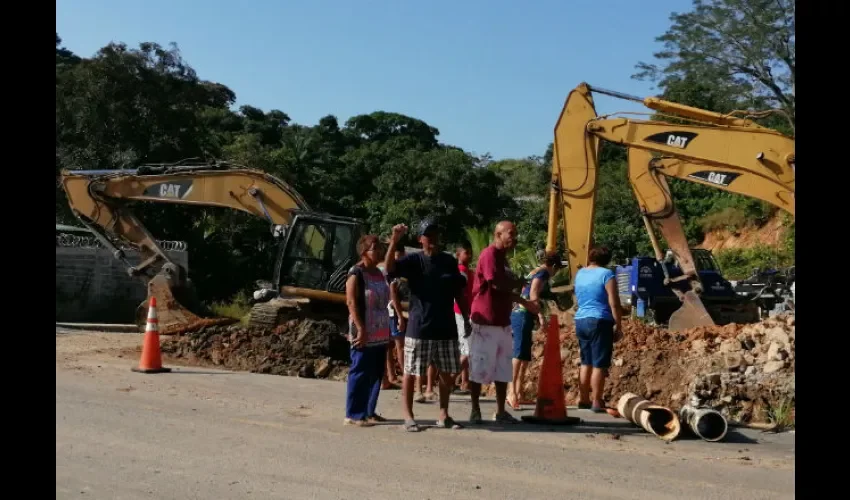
(435, 284)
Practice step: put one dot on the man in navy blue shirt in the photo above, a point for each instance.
(435, 283)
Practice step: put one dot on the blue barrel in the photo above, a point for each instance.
(641, 308)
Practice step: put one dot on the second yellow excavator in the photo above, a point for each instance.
(315, 249)
(727, 152)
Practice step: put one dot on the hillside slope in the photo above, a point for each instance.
(771, 234)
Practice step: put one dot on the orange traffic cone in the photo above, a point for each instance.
(151, 361)
(551, 406)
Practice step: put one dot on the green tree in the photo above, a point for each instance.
(443, 183)
(743, 50)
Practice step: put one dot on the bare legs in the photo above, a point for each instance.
(407, 386)
(447, 381)
(464, 373)
(501, 396)
(389, 373)
(520, 368)
(591, 380)
(428, 392)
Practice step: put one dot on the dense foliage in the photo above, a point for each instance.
(124, 106)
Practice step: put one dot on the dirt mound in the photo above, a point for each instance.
(306, 348)
(771, 234)
(741, 370)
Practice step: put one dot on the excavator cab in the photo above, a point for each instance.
(316, 253)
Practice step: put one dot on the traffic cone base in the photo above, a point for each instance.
(151, 370)
(551, 408)
(151, 361)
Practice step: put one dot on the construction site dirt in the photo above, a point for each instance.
(744, 371)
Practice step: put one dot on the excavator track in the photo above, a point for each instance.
(274, 312)
(271, 314)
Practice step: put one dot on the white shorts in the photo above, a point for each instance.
(464, 342)
(490, 354)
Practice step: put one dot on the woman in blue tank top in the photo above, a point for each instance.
(599, 321)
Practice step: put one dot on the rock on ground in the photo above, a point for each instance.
(740, 370)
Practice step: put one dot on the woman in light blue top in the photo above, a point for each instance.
(599, 322)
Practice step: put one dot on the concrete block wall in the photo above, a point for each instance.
(92, 286)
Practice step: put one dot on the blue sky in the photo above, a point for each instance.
(490, 75)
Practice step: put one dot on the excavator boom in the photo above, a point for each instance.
(722, 151)
(101, 200)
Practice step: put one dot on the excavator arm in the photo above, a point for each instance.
(575, 162)
(723, 151)
(100, 199)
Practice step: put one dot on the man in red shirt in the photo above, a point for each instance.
(491, 340)
(463, 253)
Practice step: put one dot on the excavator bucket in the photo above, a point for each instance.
(174, 318)
(692, 314)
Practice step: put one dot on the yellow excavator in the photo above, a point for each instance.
(725, 151)
(315, 249)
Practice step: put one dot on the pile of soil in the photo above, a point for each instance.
(740, 370)
(305, 348)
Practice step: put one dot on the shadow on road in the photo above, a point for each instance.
(198, 372)
(611, 428)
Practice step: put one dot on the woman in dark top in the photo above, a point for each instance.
(522, 322)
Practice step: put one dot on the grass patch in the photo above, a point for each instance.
(738, 263)
(781, 416)
(237, 308)
(729, 219)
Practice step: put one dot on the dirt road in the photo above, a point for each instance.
(199, 433)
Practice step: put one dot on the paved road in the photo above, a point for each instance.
(204, 434)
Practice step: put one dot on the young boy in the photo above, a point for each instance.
(463, 253)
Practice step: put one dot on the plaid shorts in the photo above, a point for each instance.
(419, 353)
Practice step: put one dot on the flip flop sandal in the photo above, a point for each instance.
(411, 426)
(513, 405)
(448, 423)
(357, 423)
(420, 398)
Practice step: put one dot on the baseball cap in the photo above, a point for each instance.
(427, 224)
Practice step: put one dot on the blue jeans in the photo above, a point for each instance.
(522, 325)
(595, 341)
(364, 381)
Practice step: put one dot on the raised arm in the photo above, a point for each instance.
(389, 260)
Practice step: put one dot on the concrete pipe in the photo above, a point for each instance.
(653, 418)
(707, 424)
